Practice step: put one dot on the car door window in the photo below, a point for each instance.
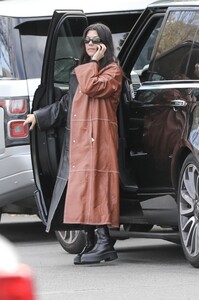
(177, 51)
(67, 50)
(145, 55)
(139, 65)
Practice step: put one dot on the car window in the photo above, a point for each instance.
(120, 23)
(177, 51)
(33, 36)
(138, 65)
(146, 52)
(7, 67)
(67, 49)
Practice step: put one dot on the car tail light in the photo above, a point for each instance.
(15, 111)
(16, 129)
(17, 106)
(16, 286)
(16, 279)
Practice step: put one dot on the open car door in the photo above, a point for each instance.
(60, 57)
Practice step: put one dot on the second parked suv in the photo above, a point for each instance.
(158, 120)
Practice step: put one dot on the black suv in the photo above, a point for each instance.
(158, 120)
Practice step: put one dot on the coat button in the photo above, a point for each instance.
(74, 115)
(73, 141)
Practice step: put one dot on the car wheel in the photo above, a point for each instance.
(72, 241)
(188, 209)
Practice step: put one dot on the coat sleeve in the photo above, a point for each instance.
(52, 115)
(100, 84)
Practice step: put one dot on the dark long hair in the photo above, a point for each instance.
(105, 35)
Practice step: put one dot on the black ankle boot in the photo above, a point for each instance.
(103, 250)
(90, 243)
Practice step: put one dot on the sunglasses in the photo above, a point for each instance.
(94, 40)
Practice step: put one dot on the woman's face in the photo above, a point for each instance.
(91, 42)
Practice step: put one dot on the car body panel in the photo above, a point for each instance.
(16, 175)
(20, 180)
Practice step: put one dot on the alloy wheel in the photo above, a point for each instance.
(188, 203)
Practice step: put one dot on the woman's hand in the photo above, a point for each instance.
(99, 54)
(30, 120)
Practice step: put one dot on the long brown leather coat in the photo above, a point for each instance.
(90, 167)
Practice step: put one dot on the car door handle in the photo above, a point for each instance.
(178, 103)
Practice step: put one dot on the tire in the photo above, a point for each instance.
(188, 209)
(72, 241)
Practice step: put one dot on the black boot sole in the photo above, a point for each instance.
(94, 259)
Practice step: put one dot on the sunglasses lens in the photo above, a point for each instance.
(95, 40)
(86, 40)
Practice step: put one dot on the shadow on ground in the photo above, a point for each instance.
(25, 232)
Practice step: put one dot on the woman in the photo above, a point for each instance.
(90, 167)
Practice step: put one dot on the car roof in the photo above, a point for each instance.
(37, 8)
(172, 3)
